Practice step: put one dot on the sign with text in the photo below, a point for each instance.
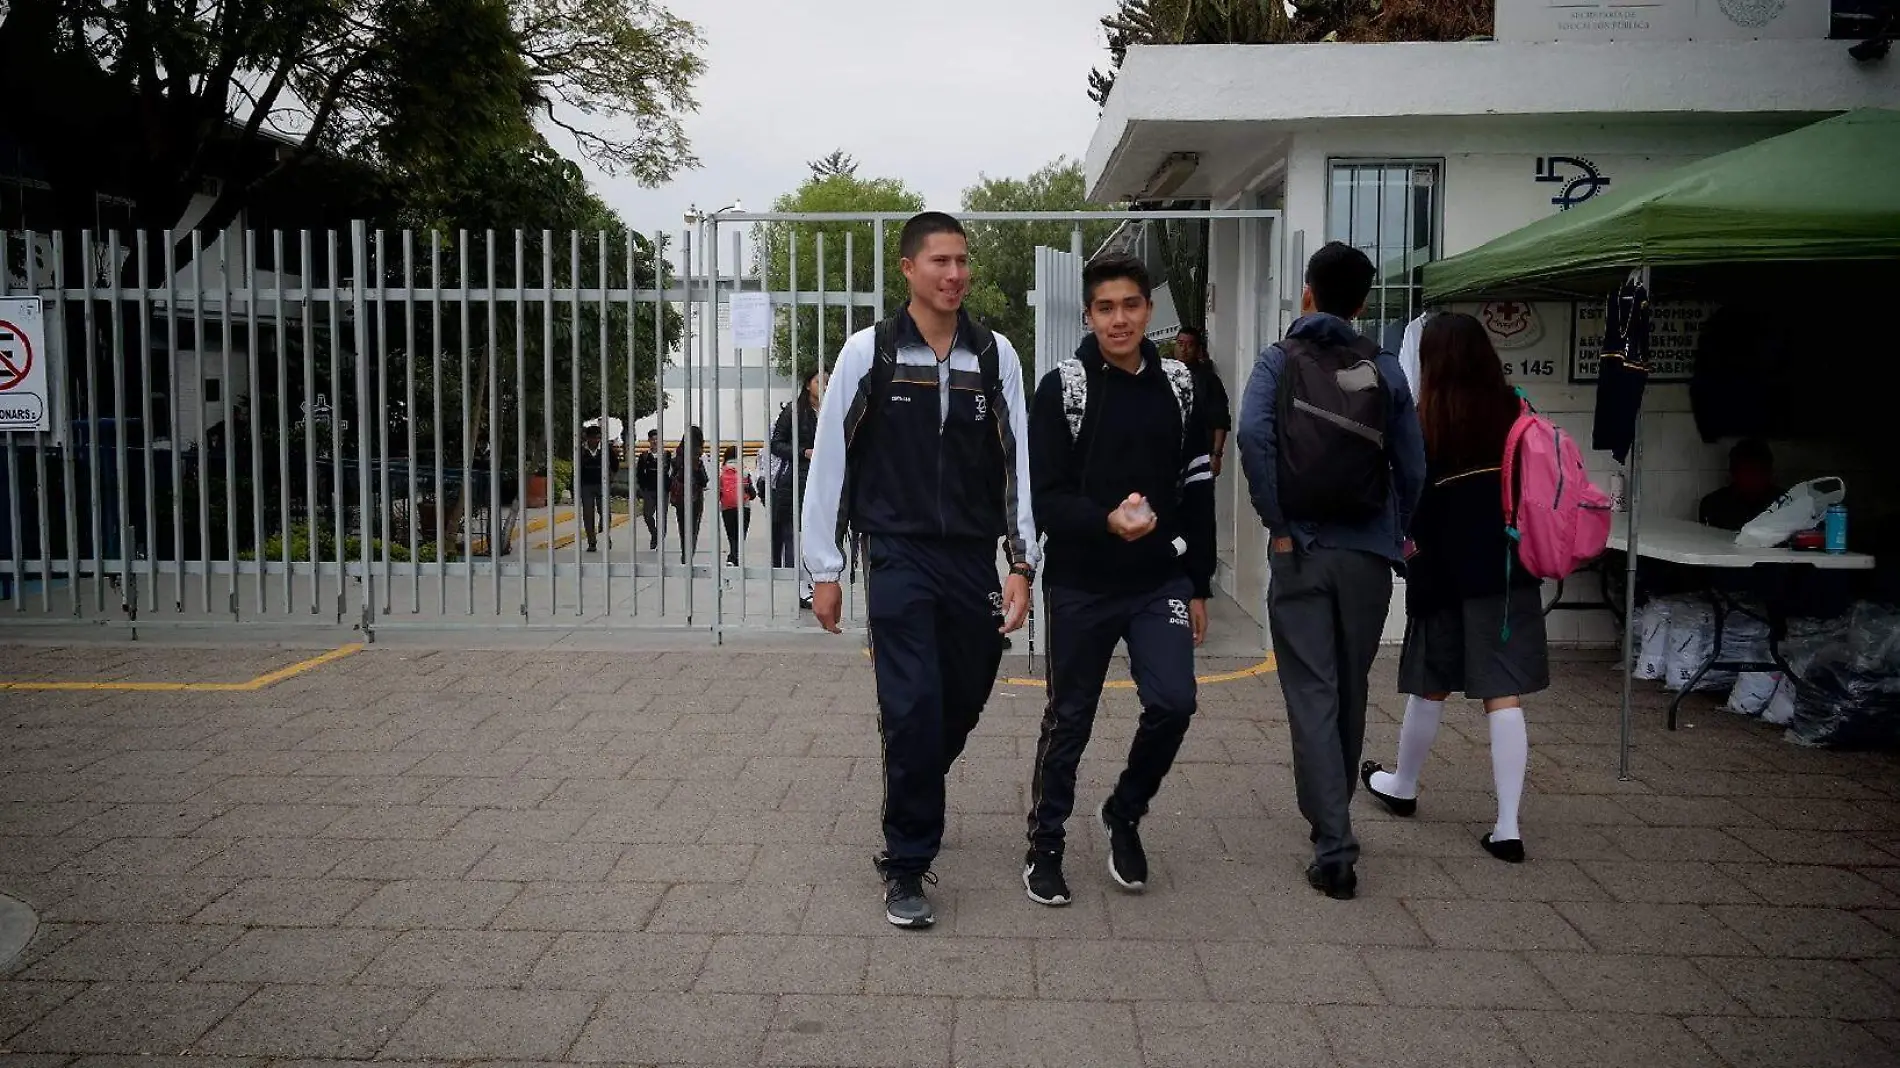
(751, 321)
(23, 392)
(1661, 20)
(1675, 327)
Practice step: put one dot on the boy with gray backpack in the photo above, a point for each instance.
(1335, 463)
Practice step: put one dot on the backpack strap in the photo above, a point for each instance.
(982, 341)
(875, 389)
(1075, 395)
(1507, 483)
(1181, 379)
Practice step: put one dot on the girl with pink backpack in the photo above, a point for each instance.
(1474, 613)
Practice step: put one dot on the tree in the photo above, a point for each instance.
(1164, 22)
(788, 254)
(833, 165)
(173, 91)
(1003, 255)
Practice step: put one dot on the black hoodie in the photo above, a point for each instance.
(1131, 442)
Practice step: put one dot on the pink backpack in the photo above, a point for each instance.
(1559, 520)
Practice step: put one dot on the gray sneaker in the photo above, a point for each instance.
(904, 902)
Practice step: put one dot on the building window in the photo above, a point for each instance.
(1390, 210)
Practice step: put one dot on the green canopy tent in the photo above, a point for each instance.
(1826, 193)
(1824, 199)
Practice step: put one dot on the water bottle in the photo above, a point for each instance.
(1836, 528)
(1619, 500)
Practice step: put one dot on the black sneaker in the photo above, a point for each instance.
(805, 603)
(904, 902)
(1127, 863)
(1042, 877)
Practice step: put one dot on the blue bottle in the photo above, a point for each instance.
(1836, 528)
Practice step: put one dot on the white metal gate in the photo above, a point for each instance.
(376, 430)
(1059, 307)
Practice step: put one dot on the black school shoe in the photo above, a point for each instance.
(1398, 806)
(1337, 881)
(1510, 850)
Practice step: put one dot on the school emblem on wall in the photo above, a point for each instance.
(1512, 324)
(1753, 14)
(1579, 178)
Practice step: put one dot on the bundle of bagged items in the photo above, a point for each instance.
(1844, 687)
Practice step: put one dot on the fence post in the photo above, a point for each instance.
(359, 303)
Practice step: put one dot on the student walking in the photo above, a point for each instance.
(592, 482)
(1123, 490)
(648, 487)
(1335, 463)
(925, 414)
(1474, 617)
(735, 502)
(793, 438)
(686, 482)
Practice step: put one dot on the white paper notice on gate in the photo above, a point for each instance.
(23, 394)
(751, 320)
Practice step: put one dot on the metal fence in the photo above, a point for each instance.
(384, 430)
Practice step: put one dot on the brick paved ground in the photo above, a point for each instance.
(662, 858)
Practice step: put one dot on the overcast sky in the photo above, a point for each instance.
(932, 94)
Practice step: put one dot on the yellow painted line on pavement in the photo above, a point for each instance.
(535, 526)
(1264, 667)
(566, 540)
(261, 682)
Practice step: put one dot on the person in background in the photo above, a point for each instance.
(648, 488)
(1335, 464)
(592, 484)
(1473, 625)
(1210, 395)
(735, 502)
(792, 443)
(1751, 487)
(686, 481)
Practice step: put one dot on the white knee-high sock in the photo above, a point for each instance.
(1510, 754)
(1416, 734)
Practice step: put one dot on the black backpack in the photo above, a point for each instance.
(1333, 407)
(884, 369)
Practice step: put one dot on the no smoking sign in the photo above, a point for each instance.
(22, 365)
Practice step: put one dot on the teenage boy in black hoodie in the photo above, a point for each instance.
(1123, 489)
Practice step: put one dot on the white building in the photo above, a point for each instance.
(1418, 151)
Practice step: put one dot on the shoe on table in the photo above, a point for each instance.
(1127, 862)
(1042, 877)
(1337, 881)
(905, 904)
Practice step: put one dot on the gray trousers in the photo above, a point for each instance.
(1326, 610)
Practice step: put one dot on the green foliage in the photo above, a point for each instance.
(1162, 22)
(299, 536)
(255, 90)
(1003, 255)
(788, 254)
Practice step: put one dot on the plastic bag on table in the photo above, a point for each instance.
(1848, 695)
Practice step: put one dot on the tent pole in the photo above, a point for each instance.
(1635, 503)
